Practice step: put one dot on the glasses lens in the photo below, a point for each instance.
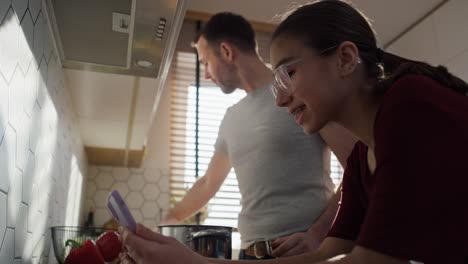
(283, 80)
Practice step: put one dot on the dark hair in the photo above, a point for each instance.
(232, 28)
(327, 23)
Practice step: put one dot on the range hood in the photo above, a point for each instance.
(115, 36)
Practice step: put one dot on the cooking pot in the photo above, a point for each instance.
(208, 241)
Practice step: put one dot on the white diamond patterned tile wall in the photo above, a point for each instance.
(7, 252)
(28, 176)
(21, 230)
(14, 198)
(20, 7)
(34, 8)
(25, 54)
(3, 217)
(4, 6)
(9, 32)
(31, 99)
(16, 97)
(22, 142)
(7, 158)
(3, 106)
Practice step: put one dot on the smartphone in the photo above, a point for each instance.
(120, 211)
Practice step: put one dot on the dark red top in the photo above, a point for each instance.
(415, 206)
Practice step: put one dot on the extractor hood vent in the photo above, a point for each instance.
(115, 36)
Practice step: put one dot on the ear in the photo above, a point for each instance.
(348, 58)
(227, 51)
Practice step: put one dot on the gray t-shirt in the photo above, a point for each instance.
(283, 174)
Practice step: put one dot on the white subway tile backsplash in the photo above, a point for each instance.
(20, 7)
(7, 158)
(7, 252)
(14, 198)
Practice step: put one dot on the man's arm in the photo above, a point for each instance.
(202, 191)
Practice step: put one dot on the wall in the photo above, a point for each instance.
(145, 189)
(442, 38)
(41, 155)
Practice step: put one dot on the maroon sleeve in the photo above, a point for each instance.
(351, 211)
(417, 209)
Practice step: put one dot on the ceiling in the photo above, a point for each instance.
(391, 17)
(103, 101)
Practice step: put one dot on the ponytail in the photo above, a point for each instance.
(395, 67)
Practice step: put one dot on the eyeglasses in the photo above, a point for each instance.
(283, 83)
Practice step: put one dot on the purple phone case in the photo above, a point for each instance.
(120, 211)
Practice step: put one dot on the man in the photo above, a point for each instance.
(288, 201)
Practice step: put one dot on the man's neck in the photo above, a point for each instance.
(253, 73)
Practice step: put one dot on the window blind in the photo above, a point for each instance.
(224, 208)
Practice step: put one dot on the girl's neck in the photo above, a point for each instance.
(359, 114)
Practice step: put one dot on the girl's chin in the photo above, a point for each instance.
(309, 129)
